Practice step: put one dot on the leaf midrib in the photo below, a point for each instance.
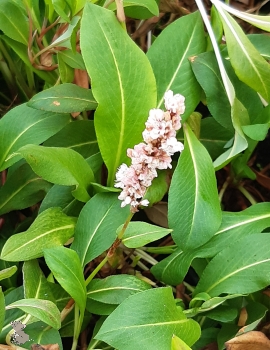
(41, 236)
(122, 124)
(235, 272)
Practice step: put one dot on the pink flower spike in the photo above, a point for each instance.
(174, 103)
(154, 153)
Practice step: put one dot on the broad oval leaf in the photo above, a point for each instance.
(115, 289)
(242, 267)
(51, 228)
(35, 127)
(40, 333)
(150, 319)
(14, 21)
(44, 310)
(122, 112)
(66, 268)
(169, 55)
(61, 196)
(34, 282)
(22, 189)
(61, 166)
(79, 136)
(96, 227)
(139, 234)
(64, 98)
(194, 210)
(8, 272)
(206, 70)
(173, 269)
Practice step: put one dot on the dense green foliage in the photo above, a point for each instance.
(74, 263)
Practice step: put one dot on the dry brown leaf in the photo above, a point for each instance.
(45, 347)
(253, 340)
(262, 179)
(81, 78)
(158, 214)
(243, 317)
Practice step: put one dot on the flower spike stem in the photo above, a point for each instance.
(111, 250)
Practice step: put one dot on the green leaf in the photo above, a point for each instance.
(141, 9)
(12, 314)
(62, 8)
(40, 333)
(73, 59)
(223, 313)
(44, 310)
(51, 228)
(122, 111)
(214, 137)
(194, 211)
(256, 218)
(66, 268)
(98, 308)
(64, 98)
(14, 22)
(61, 196)
(68, 38)
(151, 324)
(35, 127)
(21, 50)
(242, 267)
(66, 73)
(256, 132)
(239, 118)
(178, 344)
(207, 73)
(22, 189)
(139, 234)
(261, 43)
(79, 136)
(248, 64)
(158, 188)
(96, 227)
(169, 56)
(8, 272)
(61, 166)
(262, 22)
(2, 308)
(35, 283)
(115, 289)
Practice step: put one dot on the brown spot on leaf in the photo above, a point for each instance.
(56, 103)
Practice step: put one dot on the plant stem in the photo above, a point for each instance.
(247, 195)
(226, 81)
(111, 250)
(146, 257)
(160, 250)
(99, 267)
(223, 188)
(121, 233)
(77, 327)
(189, 287)
(120, 13)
